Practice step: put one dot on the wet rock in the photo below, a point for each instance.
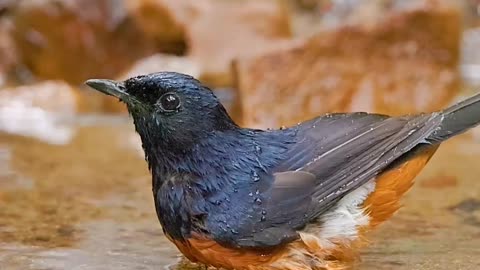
(9, 179)
(467, 206)
(155, 63)
(34, 110)
(469, 211)
(407, 62)
(71, 182)
(74, 40)
(215, 31)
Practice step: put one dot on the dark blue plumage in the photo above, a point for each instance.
(215, 186)
(206, 171)
(253, 188)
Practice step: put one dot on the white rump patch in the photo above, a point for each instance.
(342, 222)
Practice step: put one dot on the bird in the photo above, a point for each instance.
(299, 197)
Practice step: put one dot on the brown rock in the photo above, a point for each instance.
(155, 63)
(407, 62)
(232, 29)
(215, 31)
(328, 14)
(113, 105)
(471, 12)
(164, 20)
(7, 5)
(8, 53)
(74, 40)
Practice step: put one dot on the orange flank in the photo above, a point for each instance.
(391, 185)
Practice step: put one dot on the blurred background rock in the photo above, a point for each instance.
(388, 56)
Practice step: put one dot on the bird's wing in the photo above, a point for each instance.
(333, 155)
(351, 149)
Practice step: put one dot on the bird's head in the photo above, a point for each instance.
(172, 107)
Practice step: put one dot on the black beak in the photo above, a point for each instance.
(110, 87)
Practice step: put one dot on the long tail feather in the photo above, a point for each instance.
(458, 119)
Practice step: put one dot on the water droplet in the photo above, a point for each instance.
(235, 190)
(258, 201)
(263, 218)
(234, 231)
(264, 212)
(258, 148)
(250, 194)
(257, 192)
(218, 202)
(255, 177)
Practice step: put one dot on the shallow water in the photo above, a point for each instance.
(85, 203)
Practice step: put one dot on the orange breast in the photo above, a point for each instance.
(303, 254)
(209, 252)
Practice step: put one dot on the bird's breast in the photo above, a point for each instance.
(173, 206)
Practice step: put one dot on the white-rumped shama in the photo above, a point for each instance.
(295, 198)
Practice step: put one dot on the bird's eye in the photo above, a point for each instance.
(169, 102)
